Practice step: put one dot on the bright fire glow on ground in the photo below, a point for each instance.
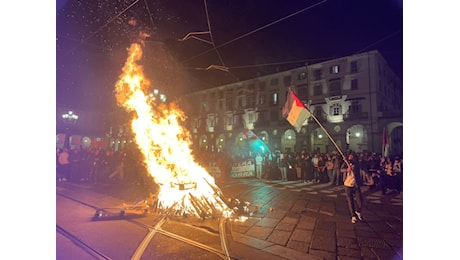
(185, 186)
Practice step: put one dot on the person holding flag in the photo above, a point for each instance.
(352, 183)
(296, 113)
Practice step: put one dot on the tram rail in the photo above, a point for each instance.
(153, 230)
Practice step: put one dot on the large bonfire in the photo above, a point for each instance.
(185, 186)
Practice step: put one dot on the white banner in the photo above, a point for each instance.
(243, 169)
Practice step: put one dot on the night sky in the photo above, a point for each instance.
(252, 38)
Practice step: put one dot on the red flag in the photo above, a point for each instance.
(295, 111)
(385, 144)
(249, 134)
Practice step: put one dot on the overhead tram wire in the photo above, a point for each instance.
(256, 30)
(212, 39)
(267, 64)
(85, 41)
(150, 14)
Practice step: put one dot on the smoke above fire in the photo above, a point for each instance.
(185, 186)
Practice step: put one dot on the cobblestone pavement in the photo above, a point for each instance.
(296, 220)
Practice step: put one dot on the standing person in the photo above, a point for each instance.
(75, 162)
(64, 164)
(389, 180)
(302, 166)
(266, 168)
(87, 165)
(309, 168)
(315, 160)
(336, 174)
(107, 165)
(298, 169)
(58, 169)
(283, 169)
(96, 161)
(322, 174)
(352, 184)
(373, 168)
(259, 160)
(329, 168)
(397, 169)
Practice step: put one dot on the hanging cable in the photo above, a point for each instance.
(214, 44)
(256, 30)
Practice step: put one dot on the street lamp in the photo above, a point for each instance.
(69, 118)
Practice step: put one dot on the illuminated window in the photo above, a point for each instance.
(302, 76)
(336, 109)
(335, 69)
(275, 98)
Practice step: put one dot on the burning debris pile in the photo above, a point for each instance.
(186, 188)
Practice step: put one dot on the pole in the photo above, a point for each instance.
(330, 138)
(324, 129)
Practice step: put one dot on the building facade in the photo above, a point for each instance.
(353, 101)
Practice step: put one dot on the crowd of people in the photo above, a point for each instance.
(96, 165)
(99, 165)
(352, 170)
(374, 170)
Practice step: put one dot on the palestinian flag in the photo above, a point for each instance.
(295, 112)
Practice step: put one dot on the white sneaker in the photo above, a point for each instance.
(358, 214)
(353, 219)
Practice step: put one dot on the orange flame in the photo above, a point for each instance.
(165, 145)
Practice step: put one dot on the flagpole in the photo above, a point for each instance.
(330, 138)
(327, 133)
